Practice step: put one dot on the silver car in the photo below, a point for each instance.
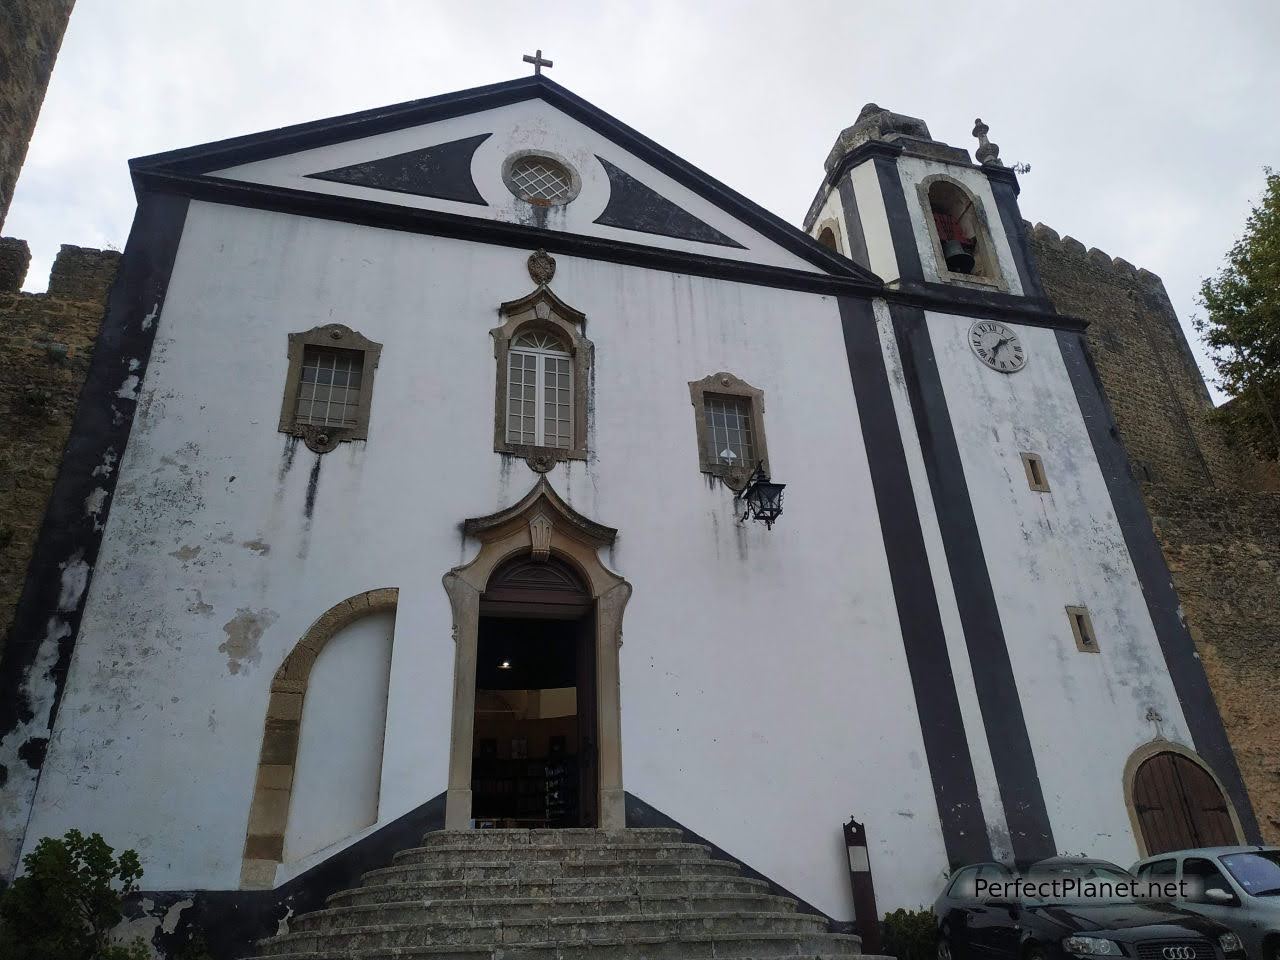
(1237, 886)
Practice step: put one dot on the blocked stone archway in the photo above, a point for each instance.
(273, 790)
(539, 525)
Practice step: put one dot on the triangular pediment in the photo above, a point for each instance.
(448, 162)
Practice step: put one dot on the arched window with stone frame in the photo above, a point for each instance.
(542, 379)
(959, 232)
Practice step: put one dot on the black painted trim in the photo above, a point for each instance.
(984, 304)
(899, 216)
(1185, 668)
(854, 237)
(233, 920)
(1005, 191)
(640, 815)
(199, 160)
(955, 786)
(637, 206)
(101, 425)
(483, 230)
(1012, 756)
(442, 171)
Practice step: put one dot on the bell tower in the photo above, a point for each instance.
(922, 214)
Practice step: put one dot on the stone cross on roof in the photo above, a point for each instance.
(538, 62)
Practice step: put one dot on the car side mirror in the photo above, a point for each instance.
(1218, 896)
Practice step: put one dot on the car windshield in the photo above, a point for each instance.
(1090, 881)
(1257, 872)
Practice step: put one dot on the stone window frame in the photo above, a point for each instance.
(833, 225)
(322, 439)
(1082, 629)
(282, 730)
(985, 255)
(543, 310)
(575, 178)
(1033, 464)
(725, 384)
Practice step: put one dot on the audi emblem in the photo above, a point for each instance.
(1179, 953)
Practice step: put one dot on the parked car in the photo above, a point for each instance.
(1237, 886)
(974, 925)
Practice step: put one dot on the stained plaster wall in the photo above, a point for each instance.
(227, 539)
(1085, 712)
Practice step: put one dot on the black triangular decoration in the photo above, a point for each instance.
(633, 206)
(442, 171)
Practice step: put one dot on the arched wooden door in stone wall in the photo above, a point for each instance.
(1179, 805)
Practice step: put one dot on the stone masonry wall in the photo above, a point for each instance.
(30, 35)
(1216, 510)
(46, 342)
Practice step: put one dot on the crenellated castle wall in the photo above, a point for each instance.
(46, 342)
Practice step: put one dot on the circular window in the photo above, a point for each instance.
(540, 179)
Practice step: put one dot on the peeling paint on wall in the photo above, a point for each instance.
(244, 631)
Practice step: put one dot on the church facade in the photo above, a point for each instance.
(422, 477)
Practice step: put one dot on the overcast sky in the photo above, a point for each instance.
(1147, 124)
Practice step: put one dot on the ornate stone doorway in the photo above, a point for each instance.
(1176, 802)
(543, 530)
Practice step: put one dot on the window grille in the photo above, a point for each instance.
(329, 388)
(541, 180)
(729, 439)
(539, 392)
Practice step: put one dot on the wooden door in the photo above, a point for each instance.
(588, 753)
(1179, 805)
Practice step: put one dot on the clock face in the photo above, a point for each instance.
(997, 346)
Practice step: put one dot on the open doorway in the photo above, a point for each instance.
(534, 743)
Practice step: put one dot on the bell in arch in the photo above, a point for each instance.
(959, 260)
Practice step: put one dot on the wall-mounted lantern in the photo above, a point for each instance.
(762, 497)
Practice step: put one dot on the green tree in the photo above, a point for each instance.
(1242, 327)
(66, 902)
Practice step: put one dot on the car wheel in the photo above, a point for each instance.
(944, 948)
(1271, 950)
(1034, 953)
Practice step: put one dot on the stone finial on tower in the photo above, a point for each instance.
(987, 152)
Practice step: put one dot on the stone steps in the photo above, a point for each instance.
(571, 853)
(553, 888)
(557, 895)
(546, 869)
(524, 908)
(328, 932)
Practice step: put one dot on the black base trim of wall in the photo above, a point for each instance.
(641, 815)
(955, 786)
(231, 921)
(997, 689)
(1185, 668)
(982, 304)
(70, 535)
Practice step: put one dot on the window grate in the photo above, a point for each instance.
(329, 388)
(541, 180)
(729, 435)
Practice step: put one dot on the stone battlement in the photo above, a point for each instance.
(46, 343)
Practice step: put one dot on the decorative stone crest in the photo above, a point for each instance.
(540, 537)
(540, 462)
(987, 152)
(320, 439)
(542, 267)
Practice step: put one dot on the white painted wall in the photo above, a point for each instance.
(528, 125)
(339, 767)
(211, 568)
(875, 221)
(831, 215)
(1085, 712)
